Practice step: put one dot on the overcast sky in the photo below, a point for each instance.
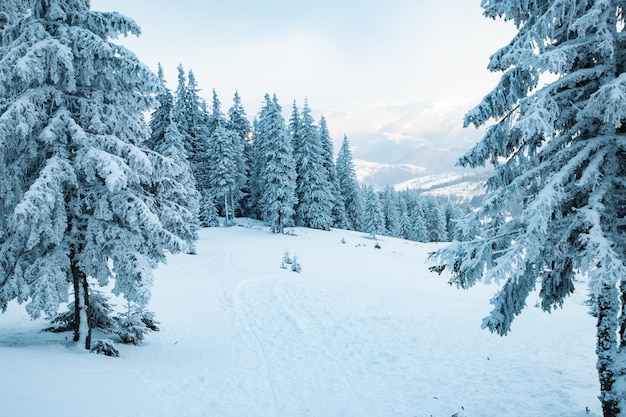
(345, 56)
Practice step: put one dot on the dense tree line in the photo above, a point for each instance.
(286, 174)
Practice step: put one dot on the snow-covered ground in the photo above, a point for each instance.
(360, 331)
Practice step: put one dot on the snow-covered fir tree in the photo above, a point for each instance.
(338, 211)
(238, 122)
(451, 226)
(276, 168)
(348, 186)
(313, 190)
(216, 117)
(435, 218)
(161, 118)
(10, 11)
(373, 218)
(295, 123)
(173, 182)
(418, 229)
(180, 109)
(133, 324)
(391, 212)
(466, 226)
(191, 117)
(226, 168)
(208, 215)
(559, 151)
(404, 219)
(457, 228)
(74, 180)
(254, 182)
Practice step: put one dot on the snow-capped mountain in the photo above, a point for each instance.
(416, 152)
(469, 185)
(381, 175)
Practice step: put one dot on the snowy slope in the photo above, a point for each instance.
(359, 332)
(466, 184)
(381, 175)
(451, 184)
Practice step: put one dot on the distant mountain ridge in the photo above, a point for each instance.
(419, 151)
(381, 175)
(466, 184)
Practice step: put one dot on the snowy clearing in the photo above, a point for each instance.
(360, 331)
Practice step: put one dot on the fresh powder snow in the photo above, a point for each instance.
(360, 331)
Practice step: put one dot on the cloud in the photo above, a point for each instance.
(427, 133)
(406, 121)
(400, 71)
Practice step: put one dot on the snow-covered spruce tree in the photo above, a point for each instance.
(10, 11)
(559, 150)
(451, 213)
(338, 212)
(226, 168)
(277, 172)
(208, 215)
(134, 323)
(173, 183)
(391, 213)
(180, 109)
(435, 217)
(74, 180)
(161, 117)
(404, 219)
(418, 230)
(294, 128)
(254, 184)
(295, 123)
(457, 228)
(191, 118)
(348, 186)
(101, 314)
(174, 187)
(238, 122)
(216, 117)
(373, 218)
(315, 201)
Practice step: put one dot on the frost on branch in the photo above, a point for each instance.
(558, 151)
(80, 195)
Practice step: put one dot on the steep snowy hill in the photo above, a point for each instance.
(360, 331)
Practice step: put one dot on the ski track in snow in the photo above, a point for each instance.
(301, 374)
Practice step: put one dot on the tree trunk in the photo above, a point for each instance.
(232, 206)
(622, 327)
(226, 207)
(82, 329)
(606, 349)
(621, 352)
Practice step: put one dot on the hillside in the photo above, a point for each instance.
(359, 332)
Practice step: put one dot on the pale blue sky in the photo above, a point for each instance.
(345, 56)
